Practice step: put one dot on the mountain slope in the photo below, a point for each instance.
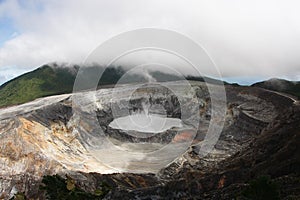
(53, 79)
(44, 81)
(281, 85)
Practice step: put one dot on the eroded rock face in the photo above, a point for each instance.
(48, 137)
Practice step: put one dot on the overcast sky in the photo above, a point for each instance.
(248, 40)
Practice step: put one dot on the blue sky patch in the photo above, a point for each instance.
(7, 30)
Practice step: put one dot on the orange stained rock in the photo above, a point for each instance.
(183, 137)
(221, 182)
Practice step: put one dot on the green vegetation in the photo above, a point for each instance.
(57, 187)
(261, 188)
(47, 81)
(44, 81)
(19, 196)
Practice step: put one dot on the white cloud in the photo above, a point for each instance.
(7, 73)
(245, 38)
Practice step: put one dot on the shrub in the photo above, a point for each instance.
(57, 187)
(262, 188)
